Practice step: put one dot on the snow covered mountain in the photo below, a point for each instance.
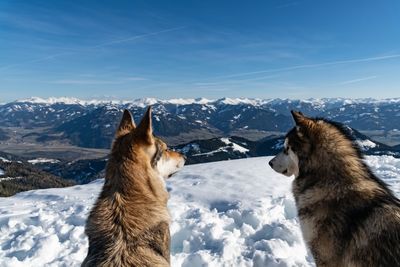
(92, 123)
(228, 213)
(234, 147)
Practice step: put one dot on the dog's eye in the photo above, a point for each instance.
(285, 151)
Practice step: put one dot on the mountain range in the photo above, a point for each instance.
(92, 123)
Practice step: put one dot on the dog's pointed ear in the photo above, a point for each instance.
(145, 128)
(299, 118)
(127, 124)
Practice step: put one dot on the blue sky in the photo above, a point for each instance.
(170, 49)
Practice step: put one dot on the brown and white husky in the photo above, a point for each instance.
(348, 216)
(129, 223)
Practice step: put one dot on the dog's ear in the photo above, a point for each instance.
(145, 128)
(299, 118)
(303, 124)
(127, 124)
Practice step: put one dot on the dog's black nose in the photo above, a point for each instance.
(270, 163)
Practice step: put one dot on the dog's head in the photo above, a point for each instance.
(297, 145)
(312, 141)
(138, 144)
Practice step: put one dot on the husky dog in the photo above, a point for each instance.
(129, 223)
(348, 216)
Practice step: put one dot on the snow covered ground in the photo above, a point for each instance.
(231, 213)
(43, 160)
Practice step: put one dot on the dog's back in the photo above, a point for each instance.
(113, 245)
(356, 228)
(375, 236)
(129, 223)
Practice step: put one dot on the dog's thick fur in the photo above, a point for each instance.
(129, 224)
(348, 216)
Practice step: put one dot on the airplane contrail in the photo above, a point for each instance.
(311, 66)
(358, 80)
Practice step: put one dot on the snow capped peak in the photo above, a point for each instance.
(143, 102)
(50, 100)
(187, 101)
(202, 100)
(65, 100)
(140, 102)
(239, 101)
(71, 101)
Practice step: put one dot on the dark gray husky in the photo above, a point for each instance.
(348, 216)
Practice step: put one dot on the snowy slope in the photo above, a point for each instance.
(231, 213)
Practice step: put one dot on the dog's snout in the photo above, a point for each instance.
(270, 163)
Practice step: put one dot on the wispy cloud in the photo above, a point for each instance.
(109, 43)
(136, 37)
(49, 57)
(30, 24)
(136, 79)
(77, 82)
(306, 66)
(94, 80)
(358, 80)
(227, 82)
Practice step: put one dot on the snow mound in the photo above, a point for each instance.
(230, 213)
(46, 227)
(236, 213)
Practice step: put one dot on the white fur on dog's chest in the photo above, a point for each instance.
(307, 223)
